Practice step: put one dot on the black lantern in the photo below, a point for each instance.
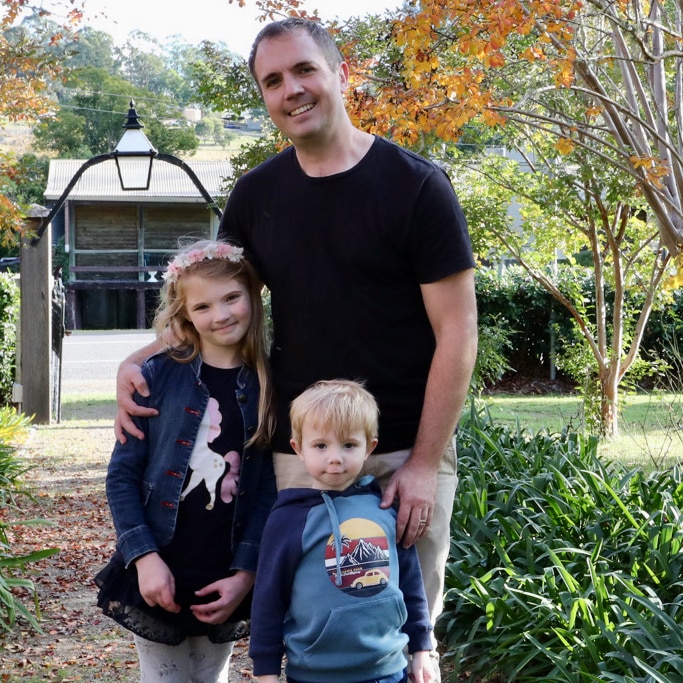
(133, 156)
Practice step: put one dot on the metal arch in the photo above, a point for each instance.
(169, 158)
(60, 202)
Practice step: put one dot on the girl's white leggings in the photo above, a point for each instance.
(195, 660)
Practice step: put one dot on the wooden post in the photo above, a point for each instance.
(36, 319)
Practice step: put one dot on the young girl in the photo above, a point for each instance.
(190, 500)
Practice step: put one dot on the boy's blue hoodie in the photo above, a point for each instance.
(334, 592)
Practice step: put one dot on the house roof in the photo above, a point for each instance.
(101, 182)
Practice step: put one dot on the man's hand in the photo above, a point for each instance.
(129, 379)
(231, 591)
(156, 582)
(415, 487)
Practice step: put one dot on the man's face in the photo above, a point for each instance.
(302, 93)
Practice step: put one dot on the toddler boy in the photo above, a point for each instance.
(334, 591)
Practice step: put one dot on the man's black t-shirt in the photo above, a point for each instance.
(344, 257)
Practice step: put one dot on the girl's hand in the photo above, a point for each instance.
(422, 668)
(156, 582)
(231, 591)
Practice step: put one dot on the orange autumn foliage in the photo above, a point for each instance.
(445, 51)
(606, 72)
(26, 68)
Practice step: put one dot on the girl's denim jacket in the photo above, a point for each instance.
(145, 477)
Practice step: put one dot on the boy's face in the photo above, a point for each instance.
(332, 461)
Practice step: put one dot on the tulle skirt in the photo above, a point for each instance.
(119, 598)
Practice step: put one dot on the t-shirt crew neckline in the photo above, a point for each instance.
(335, 176)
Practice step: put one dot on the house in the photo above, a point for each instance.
(116, 243)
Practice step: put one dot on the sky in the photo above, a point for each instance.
(197, 20)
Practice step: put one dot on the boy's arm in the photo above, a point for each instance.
(279, 557)
(129, 379)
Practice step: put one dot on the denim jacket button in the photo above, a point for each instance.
(242, 398)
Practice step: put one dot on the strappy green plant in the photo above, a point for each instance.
(563, 567)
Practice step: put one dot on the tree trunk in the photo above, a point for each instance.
(609, 404)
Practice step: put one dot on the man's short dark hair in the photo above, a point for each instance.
(314, 29)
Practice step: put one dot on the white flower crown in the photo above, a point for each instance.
(215, 250)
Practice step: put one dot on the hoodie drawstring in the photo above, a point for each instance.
(334, 519)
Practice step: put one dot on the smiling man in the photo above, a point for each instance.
(302, 87)
(365, 250)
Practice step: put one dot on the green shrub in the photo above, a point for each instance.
(492, 363)
(9, 317)
(12, 584)
(539, 326)
(563, 568)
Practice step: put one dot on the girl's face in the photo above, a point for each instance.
(220, 310)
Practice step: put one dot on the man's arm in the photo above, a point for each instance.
(452, 309)
(129, 379)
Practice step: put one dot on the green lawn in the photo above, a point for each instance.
(650, 425)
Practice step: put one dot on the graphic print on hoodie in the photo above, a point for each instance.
(363, 557)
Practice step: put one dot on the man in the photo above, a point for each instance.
(365, 250)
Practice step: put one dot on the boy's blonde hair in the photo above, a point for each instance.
(341, 405)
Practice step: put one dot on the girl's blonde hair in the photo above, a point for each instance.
(172, 321)
(340, 405)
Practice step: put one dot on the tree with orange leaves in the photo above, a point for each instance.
(595, 81)
(505, 63)
(27, 65)
(569, 87)
(598, 82)
(442, 64)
